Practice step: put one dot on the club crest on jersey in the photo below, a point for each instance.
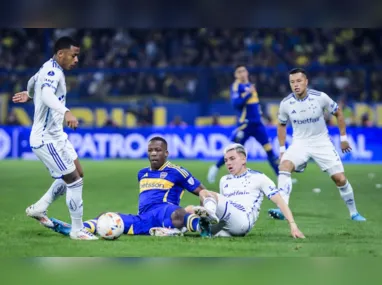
(51, 73)
(163, 175)
(191, 181)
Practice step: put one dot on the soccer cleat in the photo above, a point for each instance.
(212, 173)
(205, 228)
(39, 215)
(276, 214)
(61, 227)
(165, 232)
(205, 213)
(357, 217)
(82, 234)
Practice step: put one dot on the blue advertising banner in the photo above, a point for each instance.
(187, 143)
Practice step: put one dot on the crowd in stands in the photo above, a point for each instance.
(22, 49)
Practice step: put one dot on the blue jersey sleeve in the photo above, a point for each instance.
(237, 101)
(186, 180)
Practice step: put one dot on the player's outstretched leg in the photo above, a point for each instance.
(285, 187)
(39, 209)
(209, 201)
(347, 194)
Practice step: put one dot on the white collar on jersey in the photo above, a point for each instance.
(241, 175)
(301, 100)
(57, 65)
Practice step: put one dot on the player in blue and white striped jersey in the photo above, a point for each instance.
(305, 109)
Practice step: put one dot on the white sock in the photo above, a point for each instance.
(347, 195)
(210, 204)
(57, 189)
(285, 185)
(74, 203)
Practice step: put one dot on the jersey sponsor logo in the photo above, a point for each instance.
(294, 112)
(292, 102)
(48, 80)
(51, 73)
(236, 193)
(155, 184)
(306, 121)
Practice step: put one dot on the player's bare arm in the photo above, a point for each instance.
(197, 190)
(279, 201)
(281, 135)
(342, 127)
(21, 97)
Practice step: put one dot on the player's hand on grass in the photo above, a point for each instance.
(71, 120)
(295, 232)
(20, 97)
(345, 147)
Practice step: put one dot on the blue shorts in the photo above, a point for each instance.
(158, 215)
(244, 131)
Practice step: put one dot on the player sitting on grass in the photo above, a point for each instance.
(236, 209)
(161, 188)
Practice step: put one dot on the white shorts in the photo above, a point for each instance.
(324, 154)
(58, 157)
(235, 220)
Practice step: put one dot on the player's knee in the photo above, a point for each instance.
(71, 177)
(177, 218)
(339, 179)
(286, 165)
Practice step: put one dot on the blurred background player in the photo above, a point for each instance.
(304, 109)
(49, 141)
(245, 99)
(161, 187)
(237, 207)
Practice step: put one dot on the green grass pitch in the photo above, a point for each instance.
(112, 186)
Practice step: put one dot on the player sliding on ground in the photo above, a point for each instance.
(161, 188)
(235, 210)
(304, 108)
(48, 140)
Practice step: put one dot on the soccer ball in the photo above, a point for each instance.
(110, 226)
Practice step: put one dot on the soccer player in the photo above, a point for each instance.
(245, 99)
(49, 141)
(235, 210)
(161, 188)
(304, 108)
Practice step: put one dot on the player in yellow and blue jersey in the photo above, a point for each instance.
(246, 100)
(161, 188)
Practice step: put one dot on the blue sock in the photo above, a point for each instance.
(220, 162)
(91, 225)
(272, 158)
(191, 222)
